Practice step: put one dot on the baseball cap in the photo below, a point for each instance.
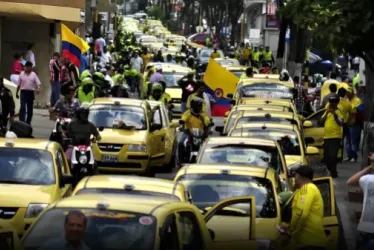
(334, 99)
(158, 67)
(305, 171)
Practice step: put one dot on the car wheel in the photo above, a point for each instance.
(149, 172)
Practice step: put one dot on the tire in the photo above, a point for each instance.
(149, 172)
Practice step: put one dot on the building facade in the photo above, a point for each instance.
(24, 22)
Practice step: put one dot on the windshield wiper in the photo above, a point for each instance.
(13, 182)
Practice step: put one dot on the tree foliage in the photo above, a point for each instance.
(344, 26)
(156, 12)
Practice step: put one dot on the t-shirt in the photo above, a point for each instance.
(333, 125)
(345, 107)
(100, 44)
(81, 132)
(355, 102)
(306, 226)
(192, 121)
(136, 63)
(366, 223)
(188, 88)
(156, 77)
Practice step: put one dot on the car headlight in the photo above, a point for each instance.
(137, 148)
(34, 210)
(83, 159)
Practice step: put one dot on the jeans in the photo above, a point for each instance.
(299, 107)
(181, 149)
(370, 245)
(352, 141)
(27, 105)
(183, 107)
(55, 92)
(331, 149)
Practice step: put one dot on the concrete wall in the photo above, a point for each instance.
(271, 39)
(15, 35)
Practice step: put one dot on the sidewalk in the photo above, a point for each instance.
(346, 208)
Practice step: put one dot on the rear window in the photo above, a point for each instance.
(126, 193)
(267, 90)
(245, 120)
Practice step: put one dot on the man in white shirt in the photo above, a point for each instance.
(29, 56)
(136, 62)
(100, 44)
(365, 228)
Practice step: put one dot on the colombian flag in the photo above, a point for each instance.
(220, 82)
(72, 45)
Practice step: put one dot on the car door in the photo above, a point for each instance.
(63, 169)
(189, 231)
(233, 223)
(158, 138)
(314, 135)
(231, 120)
(330, 219)
(169, 238)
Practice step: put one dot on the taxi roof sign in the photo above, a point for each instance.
(9, 144)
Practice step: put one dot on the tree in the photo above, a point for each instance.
(156, 12)
(344, 26)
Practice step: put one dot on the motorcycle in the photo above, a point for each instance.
(82, 162)
(192, 145)
(61, 126)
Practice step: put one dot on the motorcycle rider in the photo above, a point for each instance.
(157, 93)
(80, 130)
(68, 105)
(193, 118)
(120, 91)
(7, 107)
(86, 91)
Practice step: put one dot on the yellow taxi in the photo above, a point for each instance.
(248, 152)
(130, 186)
(265, 102)
(34, 174)
(238, 71)
(172, 74)
(227, 62)
(292, 143)
(155, 224)
(209, 184)
(133, 136)
(263, 88)
(260, 116)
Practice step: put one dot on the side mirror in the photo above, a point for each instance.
(155, 127)
(309, 140)
(312, 151)
(67, 179)
(101, 129)
(307, 124)
(212, 234)
(219, 129)
(231, 96)
(292, 169)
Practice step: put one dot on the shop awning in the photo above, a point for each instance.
(40, 12)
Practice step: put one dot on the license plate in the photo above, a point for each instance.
(109, 158)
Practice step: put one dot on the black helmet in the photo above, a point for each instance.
(66, 88)
(196, 106)
(83, 111)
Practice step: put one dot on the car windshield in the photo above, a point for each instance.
(126, 193)
(266, 90)
(229, 63)
(208, 189)
(238, 73)
(238, 154)
(290, 144)
(172, 79)
(107, 116)
(104, 229)
(257, 119)
(26, 166)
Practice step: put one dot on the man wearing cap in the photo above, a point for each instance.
(157, 76)
(306, 231)
(333, 123)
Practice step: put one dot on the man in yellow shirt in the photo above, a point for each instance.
(354, 130)
(306, 230)
(147, 58)
(215, 54)
(246, 54)
(333, 121)
(192, 118)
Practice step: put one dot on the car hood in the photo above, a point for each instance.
(15, 195)
(122, 136)
(175, 93)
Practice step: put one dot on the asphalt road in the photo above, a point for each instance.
(43, 126)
